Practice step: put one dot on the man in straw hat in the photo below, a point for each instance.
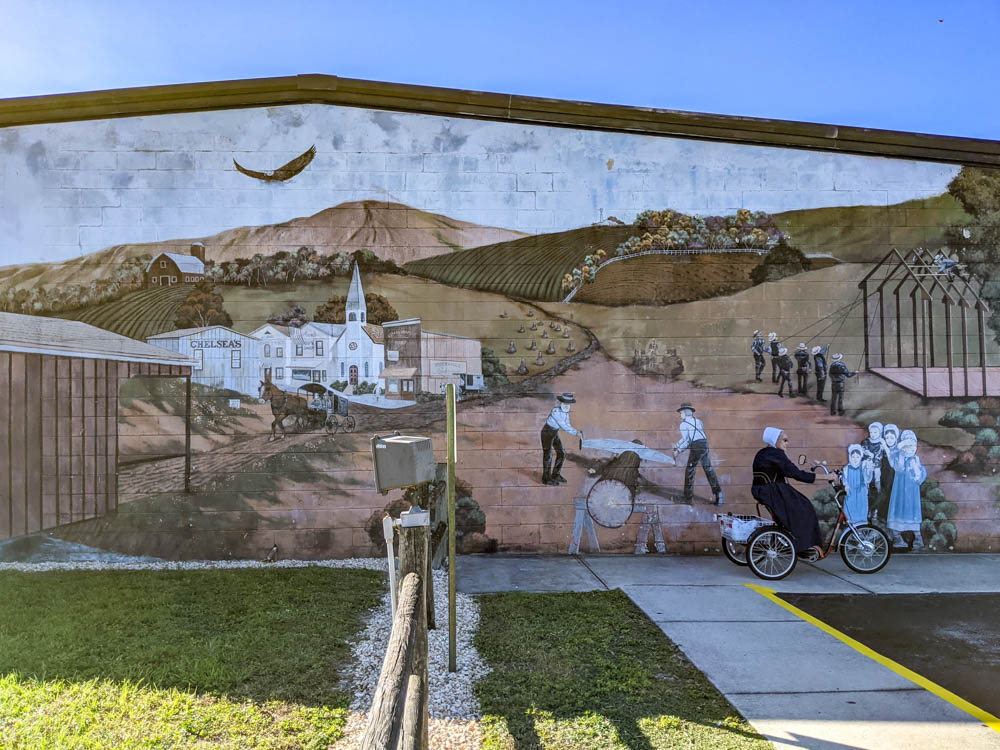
(802, 358)
(695, 441)
(838, 377)
(819, 359)
(757, 350)
(558, 420)
(784, 371)
(774, 349)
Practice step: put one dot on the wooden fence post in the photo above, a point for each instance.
(413, 554)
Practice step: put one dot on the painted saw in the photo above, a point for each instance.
(616, 447)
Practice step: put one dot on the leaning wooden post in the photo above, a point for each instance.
(413, 552)
(452, 452)
(187, 434)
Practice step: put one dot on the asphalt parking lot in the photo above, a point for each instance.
(951, 639)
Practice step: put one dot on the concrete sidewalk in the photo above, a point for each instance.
(799, 686)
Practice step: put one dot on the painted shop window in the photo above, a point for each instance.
(352, 317)
(324, 376)
(341, 369)
(407, 386)
(279, 352)
(298, 350)
(393, 386)
(279, 373)
(199, 359)
(319, 348)
(316, 376)
(267, 350)
(366, 368)
(236, 359)
(380, 368)
(362, 317)
(163, 264)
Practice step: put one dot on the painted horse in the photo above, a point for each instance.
(283, 404)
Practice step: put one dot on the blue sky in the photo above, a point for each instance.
(911, 65)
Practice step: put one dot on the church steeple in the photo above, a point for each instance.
(355, 309)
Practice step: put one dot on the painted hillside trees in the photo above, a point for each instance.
(202, 307)
(379, 309)
(672, 230)
(978, 242)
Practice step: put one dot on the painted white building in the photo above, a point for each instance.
(223, 358)
(352, 351)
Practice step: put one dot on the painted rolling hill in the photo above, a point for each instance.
(532, 267)
(392, 230)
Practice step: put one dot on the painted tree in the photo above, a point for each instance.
(978, 241)
(379, 310)
(293, 317)
(783, 260)
(202, 307)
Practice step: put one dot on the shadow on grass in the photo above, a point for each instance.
(590, 670)
(277, 634)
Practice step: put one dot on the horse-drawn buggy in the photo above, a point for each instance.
(312, 408)
(326, 410)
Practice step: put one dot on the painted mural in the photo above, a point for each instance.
(623, 316)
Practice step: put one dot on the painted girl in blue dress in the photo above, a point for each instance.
(857, 477)
(904, 503)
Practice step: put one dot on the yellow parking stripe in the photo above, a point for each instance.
(984, 716)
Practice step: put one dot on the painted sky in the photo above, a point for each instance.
(911, 65)
(72, 188)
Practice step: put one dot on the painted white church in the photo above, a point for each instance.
(353, 351)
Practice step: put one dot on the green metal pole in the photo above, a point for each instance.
(451, 526)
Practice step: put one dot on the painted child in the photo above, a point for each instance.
(890, 449)
(873, 447)
(904, 502)
(857, 477)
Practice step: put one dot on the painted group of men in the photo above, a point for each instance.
(806, 360)
(694, 440)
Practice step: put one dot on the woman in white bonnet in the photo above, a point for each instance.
(792, 509)
(904, 504)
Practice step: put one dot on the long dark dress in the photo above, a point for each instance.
(791, 508)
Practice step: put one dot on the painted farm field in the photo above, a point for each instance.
(137, 314)
(529, 268)
(441, 308)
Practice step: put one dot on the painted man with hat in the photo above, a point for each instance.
(838, 377)
(757, 350)
(695, 441)
(558, 420)
(784, 371)
(819, 359)
(802, 371)
(774, 349)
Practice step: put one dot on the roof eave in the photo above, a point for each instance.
(327, 89)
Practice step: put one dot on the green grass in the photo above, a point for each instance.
(180, 659)
(591, 672)
(137, 314)
(530, 267)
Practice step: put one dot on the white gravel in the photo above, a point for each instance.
(453, 706)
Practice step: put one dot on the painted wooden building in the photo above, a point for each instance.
(167, 269)
(424, 361)
(59, 383)
(223, 358)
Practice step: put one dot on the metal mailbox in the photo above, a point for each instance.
(402, 461)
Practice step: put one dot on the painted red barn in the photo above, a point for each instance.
(167, 269)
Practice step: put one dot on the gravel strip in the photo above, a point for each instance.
(452, 704)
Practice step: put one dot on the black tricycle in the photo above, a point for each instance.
(769, 549)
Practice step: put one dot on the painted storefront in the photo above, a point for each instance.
(839, 287)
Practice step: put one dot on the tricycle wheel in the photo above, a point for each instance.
(771, 553)
(865, 548)
(735, 551)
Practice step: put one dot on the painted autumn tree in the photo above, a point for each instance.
(978, 242)
(202, 307)
(379, 310)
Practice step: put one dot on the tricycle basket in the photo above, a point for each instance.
(738, 527)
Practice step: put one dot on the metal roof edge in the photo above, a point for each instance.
(317, 88)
